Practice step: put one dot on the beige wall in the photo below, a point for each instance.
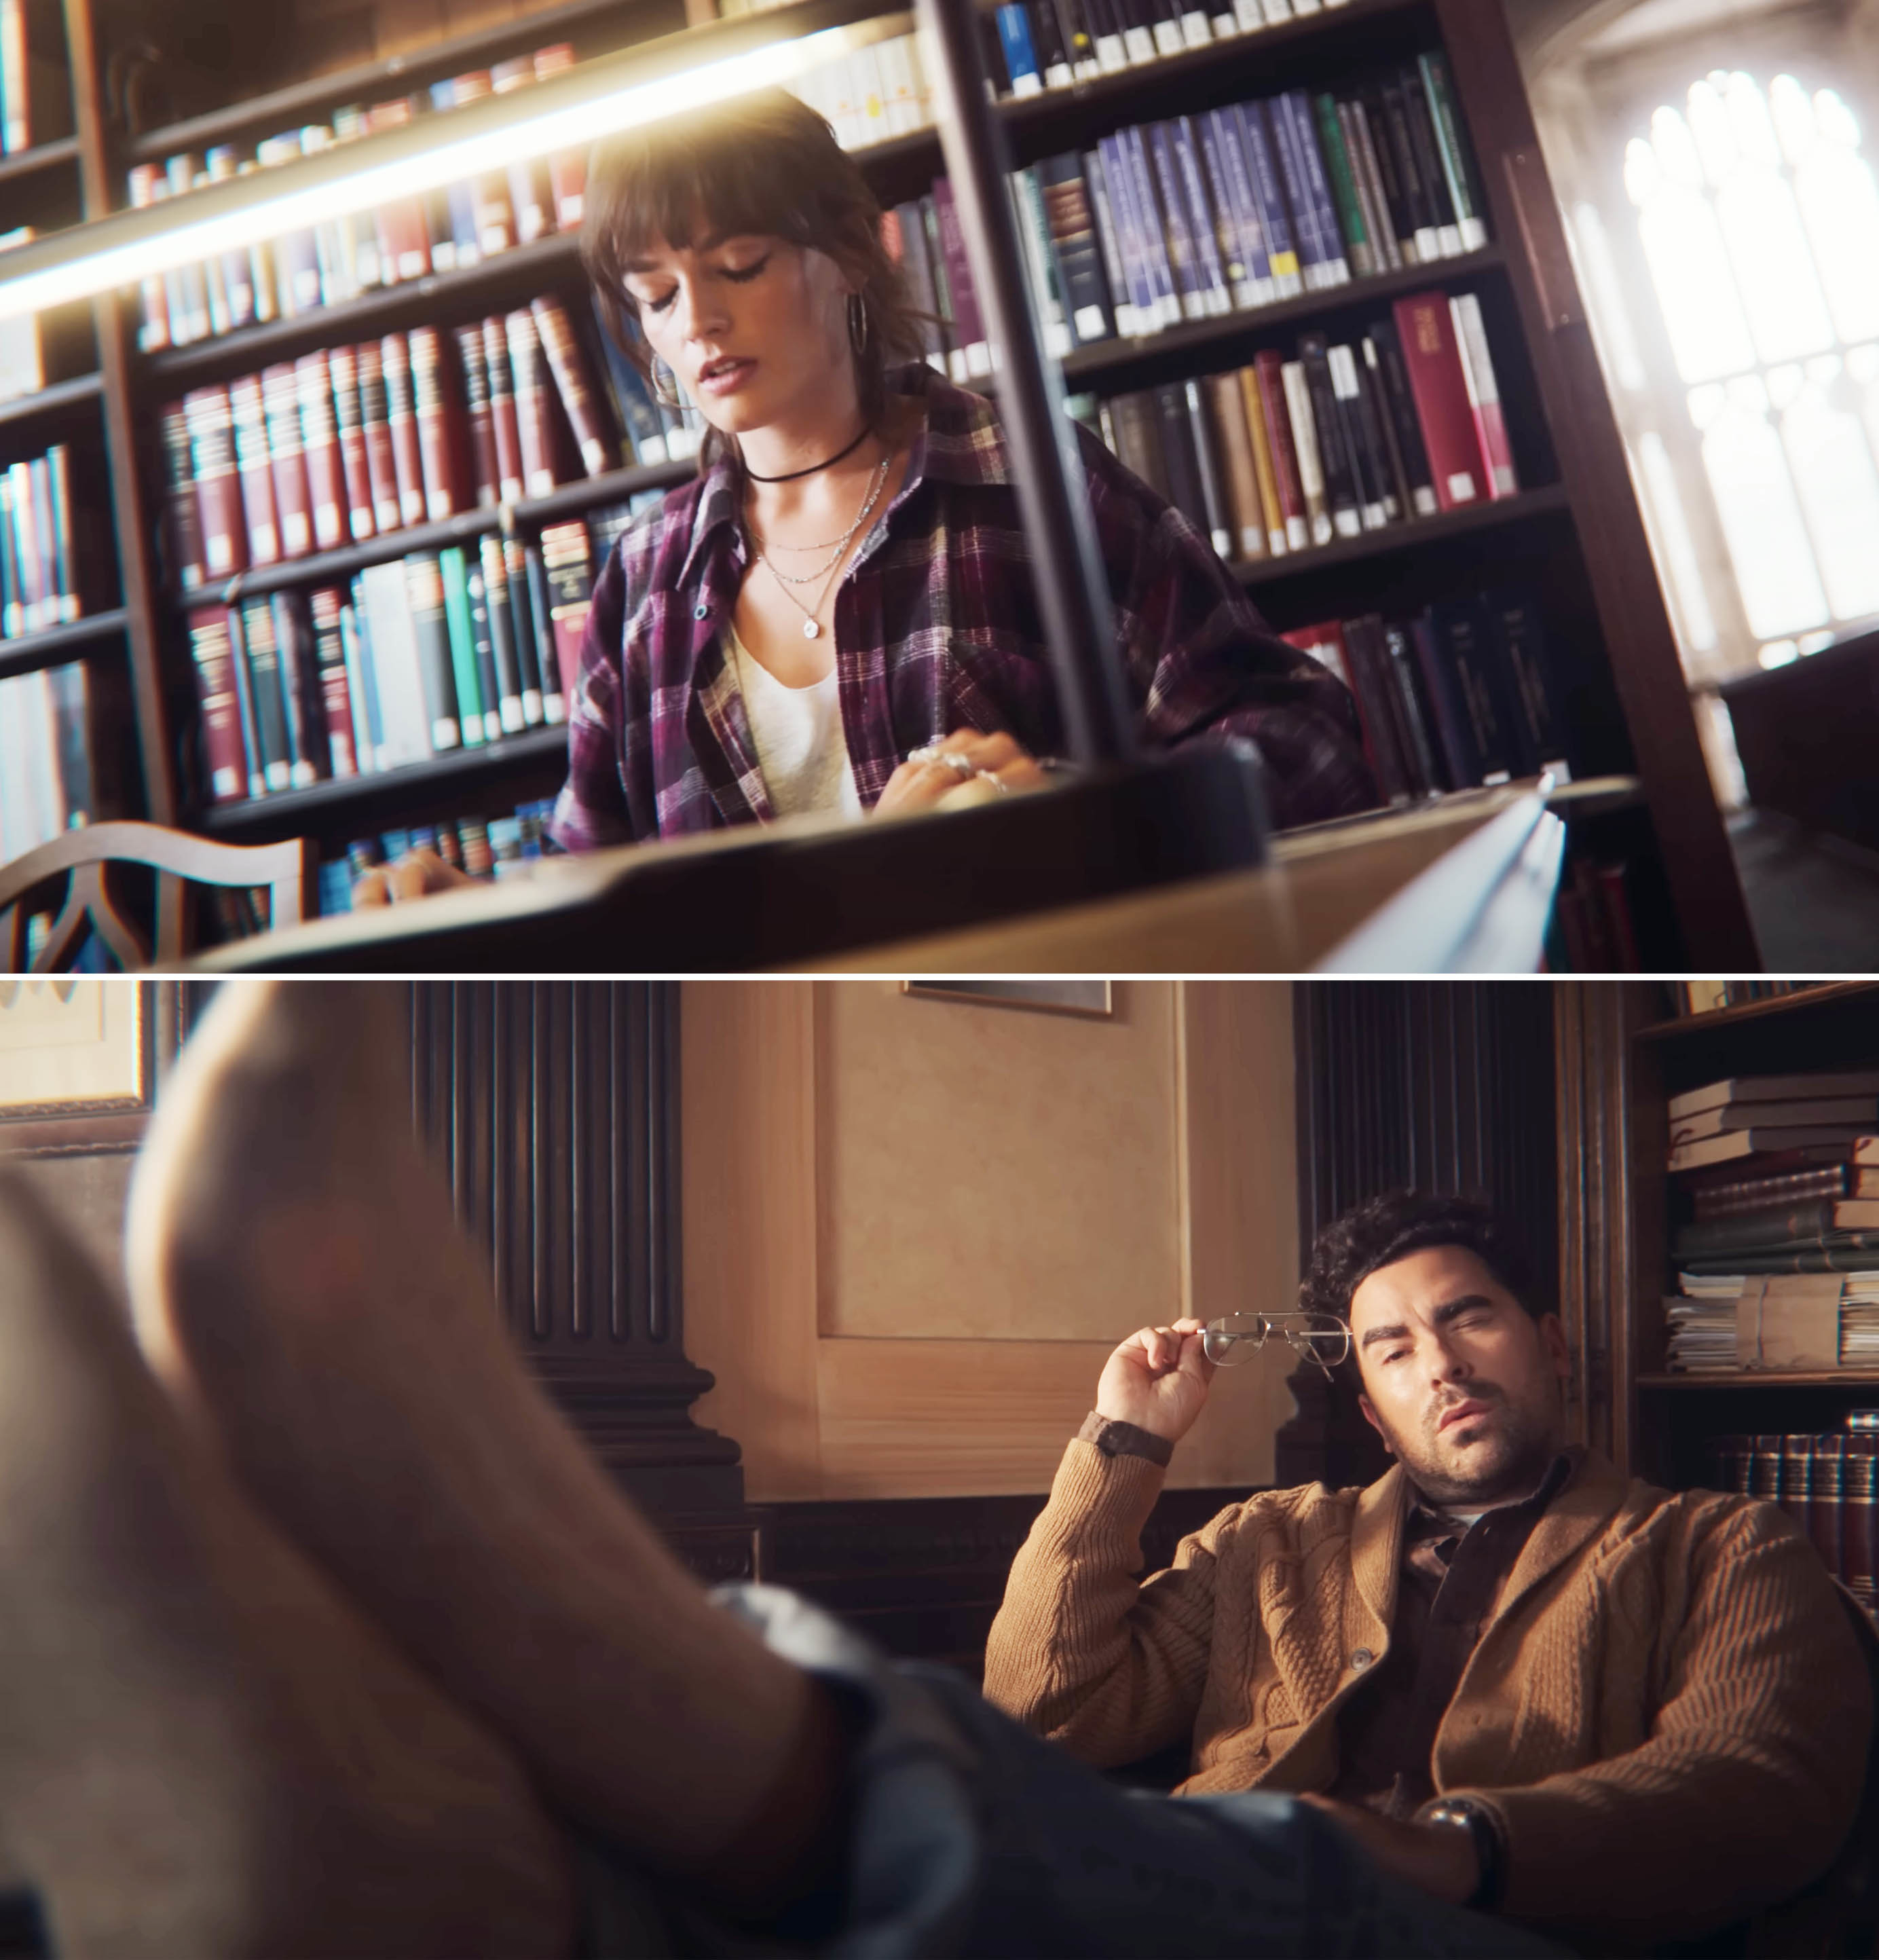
(914, 1229)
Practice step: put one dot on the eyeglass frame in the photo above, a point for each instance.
(1296, 1336)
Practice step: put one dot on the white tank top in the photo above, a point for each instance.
(798, 733)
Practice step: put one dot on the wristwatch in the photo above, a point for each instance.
(1463, 1813)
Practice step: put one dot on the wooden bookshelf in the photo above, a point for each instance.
(54, 645)
(1573, 530)
(40, 161)
(1619, 1062)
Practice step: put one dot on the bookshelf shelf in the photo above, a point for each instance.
(1798, 1378)
(49, 404)
(531, 514)
(1782, 1006)
(61, 154)
(296, 811)
(1551, 500)
(57, 644)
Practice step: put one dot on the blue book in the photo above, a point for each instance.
(1109, 238)
(1021, 58)
(335, 887)
(1183, 248)
(368, 730)
(1119, 194)
(1318, 185)
(1203, 217)
(1248, 273)
(1312, 251)
(1282, 247)
(1151, 224)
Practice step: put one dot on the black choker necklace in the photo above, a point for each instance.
(814, 467)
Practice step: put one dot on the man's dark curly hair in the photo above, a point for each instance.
(1385, 1228)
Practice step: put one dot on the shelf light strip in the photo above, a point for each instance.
(598, 100)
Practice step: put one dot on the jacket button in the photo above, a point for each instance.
(702, 613)
(1361, 1658)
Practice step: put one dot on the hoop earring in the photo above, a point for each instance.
(857, 323)
(664, 386)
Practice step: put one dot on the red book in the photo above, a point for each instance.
(375, 421)
(404, 230)
(343, 363)
(1269, 367)
(293, 497)
(335, 690)
(489, 193)
(537, 433)
(1484, 393)
(567, 560)
(401, 415)
(482, 426)
(531, 202)
(574, 380)
(502, 411)
(211, 426)
(185, 516)
(1327, 645)
(1426, 330)
(437, 449)
(319, 432)
(225, 758)
(567, 169)
(255, 464)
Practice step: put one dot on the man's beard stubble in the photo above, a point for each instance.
(1501, 1471)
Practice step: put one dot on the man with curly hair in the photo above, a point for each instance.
(1521, 1681)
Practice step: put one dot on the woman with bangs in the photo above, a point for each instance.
(838, 615)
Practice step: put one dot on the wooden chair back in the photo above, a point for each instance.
(86, 858)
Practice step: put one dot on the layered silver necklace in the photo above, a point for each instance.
(830, 569)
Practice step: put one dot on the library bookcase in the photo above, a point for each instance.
(1573, 534)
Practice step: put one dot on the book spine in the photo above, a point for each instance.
(1376, 496)
(1385, 252)
(424, 587)
(1202, 217)
(514, 706)
(1310, 466)
(188, 558)
(361, 519)
(320, 433)
(436, 451)
(1183, 248)
(1461, 759)
(1451, 149)
(389, 646)
(542, 628)
(255, 467)
(1282, 245)
(1399, 653)
(336, 689)
(211, 656)
(262, 652)
(367, 730)
(1425, 334)
(1046, 278)
(1797, 1481)
(1318, 189)
(474, 361)
(473, 726)
(1826, 1514)
(1484, 393)
(211, 421)
(1314, 253)
(1342, 182)
(971, 354)
(1242, 471)
(1407, 156)
(1143, 314)
(533, 657)
(153, 332)
(569, 572)
(568, 363)
(1859, 1516)
(567, 169)
(1724, 1200)
(1269, 366)
(1518, 634)
(530, 200)
(1384, 351)
(1072, 224)
(55, 473)
(1335, 460)
(1421, 136)
(501, 715)
(381, 459)
(1020, 60)
(1373, 123)
(1272, 510)
(536, 432)
(401, 416)
(1211, 465)
(1376, 701)
(502, 411)
(1402, 501)
(308, 758)
(1460, 644)
(1154, 236)
(293, 497)
(1250, 274)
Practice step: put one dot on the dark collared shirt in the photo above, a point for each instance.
(1448, 1584)
(937, 627)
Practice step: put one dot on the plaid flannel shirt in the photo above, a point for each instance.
(937, 627)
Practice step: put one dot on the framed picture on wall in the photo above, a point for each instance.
(1093, 999)
(72, 1045)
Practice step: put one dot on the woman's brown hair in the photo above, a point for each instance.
(764, 163)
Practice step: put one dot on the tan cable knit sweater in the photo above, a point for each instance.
(1669, 1711)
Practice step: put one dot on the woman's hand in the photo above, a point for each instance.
(415, 876)
(996, 760)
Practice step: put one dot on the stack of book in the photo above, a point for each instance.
(352, 443)
(1825, 1482)
(45, 777)
(491, 847)
(1775, 1126)
(1204, 215)
(1340, 440)
(38, 586)
(1459, 695)
(871, 95)
(417, 657)
(35, 97)
(403, 240)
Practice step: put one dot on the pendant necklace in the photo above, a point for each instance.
(812, 625)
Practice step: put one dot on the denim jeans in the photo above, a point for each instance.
(969, 1836)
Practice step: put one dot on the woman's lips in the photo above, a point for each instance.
(725, 377)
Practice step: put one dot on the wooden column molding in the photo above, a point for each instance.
(553, 1107)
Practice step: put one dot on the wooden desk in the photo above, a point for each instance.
(1463, 884)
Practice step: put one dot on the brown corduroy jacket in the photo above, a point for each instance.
(1669, 1712)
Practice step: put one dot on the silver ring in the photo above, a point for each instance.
(950, 758)
(1003, 789)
